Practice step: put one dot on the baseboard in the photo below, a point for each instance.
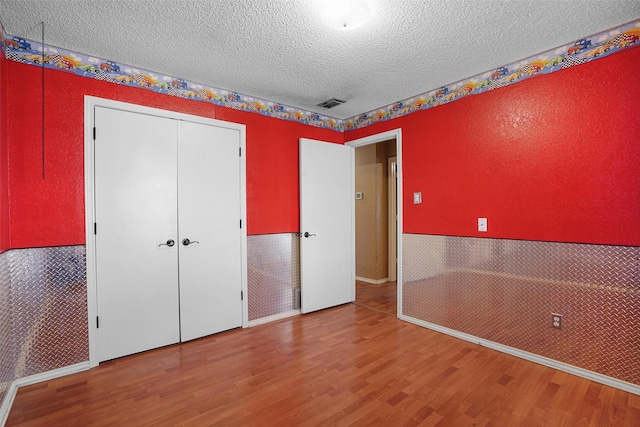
(34, 379)
(561, 366)
(372, 281)
(273, 318)
(49, 375)
(7, 402)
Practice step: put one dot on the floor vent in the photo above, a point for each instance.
(330, 103)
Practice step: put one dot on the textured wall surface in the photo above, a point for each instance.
(43, 311)
(504, 154)
(505, 291)
(50, 212)
(283, 51)
(273, 274)
(554, 158)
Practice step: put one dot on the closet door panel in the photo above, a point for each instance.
(209, 217)
(136, 215)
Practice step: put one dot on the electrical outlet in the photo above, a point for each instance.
(556, 321)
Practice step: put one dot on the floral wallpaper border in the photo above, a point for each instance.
(30, 52)
(579, 52)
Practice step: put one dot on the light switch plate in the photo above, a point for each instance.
(482, 224)
(417, 198)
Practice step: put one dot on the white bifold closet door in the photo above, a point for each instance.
(168, 248)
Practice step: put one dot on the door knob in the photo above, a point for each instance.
(188, 242)
(307, 234)
(169, 243)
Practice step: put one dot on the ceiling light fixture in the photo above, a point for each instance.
(344, 14)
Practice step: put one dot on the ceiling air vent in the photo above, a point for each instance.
(330, 103)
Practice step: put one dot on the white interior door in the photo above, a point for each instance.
(209, 217)
(136, 221)
(327, 243)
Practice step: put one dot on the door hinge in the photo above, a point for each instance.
(241, 295)
(95, 228)
(97, 322)
(94, 133)
(240, 223)
(240, 151)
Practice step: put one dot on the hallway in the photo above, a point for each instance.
(381, 297)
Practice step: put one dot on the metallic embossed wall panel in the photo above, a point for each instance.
(273, 269)
(43, 311)
(7, 356)
(49, 308)
(505, 291)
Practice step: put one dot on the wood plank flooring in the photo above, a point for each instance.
(381, 297)
(348, 365)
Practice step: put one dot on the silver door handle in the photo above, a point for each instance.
(307, 234)
(169, 243)
(188, 242)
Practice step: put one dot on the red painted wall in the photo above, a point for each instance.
(50, 211)
(273, 198)
(4, 186)
(554, 158)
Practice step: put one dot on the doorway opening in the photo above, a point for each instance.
(377, 222)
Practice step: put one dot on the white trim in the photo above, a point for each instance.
(352, 206)
(90, 103)
(374, 139)
(243, 215)
(273, 318)
(7, 402)
(392, 213)
(555, 364)
(51, 375)
(372, 281)
(34, 379)
(89, 200)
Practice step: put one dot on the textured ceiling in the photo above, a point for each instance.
(280, 50)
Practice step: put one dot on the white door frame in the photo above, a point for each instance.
(374, 139)
(90, 103)
(392, 201)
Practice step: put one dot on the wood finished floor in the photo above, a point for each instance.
(381, 297)
(349, 365)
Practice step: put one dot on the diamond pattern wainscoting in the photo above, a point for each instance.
(43, 311)
(505, 291)
(7, 353)
(273, 265)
